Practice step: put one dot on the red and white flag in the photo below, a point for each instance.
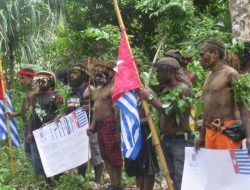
(126, 76)
(126, 81)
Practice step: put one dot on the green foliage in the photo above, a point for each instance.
(241, 88)
(90, 28)
(175, 104)
(200, 74)
(173, 18)
(64, 91)
(25, 26)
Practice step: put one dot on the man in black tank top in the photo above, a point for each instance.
(80, 96)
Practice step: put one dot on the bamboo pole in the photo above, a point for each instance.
(155, 57)
(147, 112)
(11, 156)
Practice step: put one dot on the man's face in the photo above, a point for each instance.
(163, 74)
(101, 79)
(25, 80)
(75, 78)
(207, 58)
(44, 83)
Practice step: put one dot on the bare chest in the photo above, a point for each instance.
(216, 83)
(103, 94)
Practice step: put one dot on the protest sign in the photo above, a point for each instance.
(216, 170)
(63, 145)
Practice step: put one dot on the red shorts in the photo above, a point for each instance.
(110, 151)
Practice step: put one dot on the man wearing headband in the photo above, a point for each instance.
(45, 105)
(26, 76)
(219, 102)
(176, 134)
(81, 96)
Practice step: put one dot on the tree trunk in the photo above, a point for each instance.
(240, 16)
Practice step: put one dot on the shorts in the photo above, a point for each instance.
(96, 157)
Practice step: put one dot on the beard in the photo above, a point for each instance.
(75, 82)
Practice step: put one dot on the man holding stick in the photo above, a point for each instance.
(176, 134)
(26, 77)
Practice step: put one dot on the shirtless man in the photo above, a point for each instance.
(175, 135)
(219, 99)
(106, 122)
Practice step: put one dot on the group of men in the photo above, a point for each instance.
(94, 94)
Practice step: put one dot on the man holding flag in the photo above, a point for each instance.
(106, 122)
(26, 76)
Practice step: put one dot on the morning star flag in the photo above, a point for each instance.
(211, 169)
(241, 161)
(13, 125)
(126, 81)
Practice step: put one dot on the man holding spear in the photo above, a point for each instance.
(126, 71)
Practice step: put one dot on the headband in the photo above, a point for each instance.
(29, 73)
(216, 45)
(76, 68)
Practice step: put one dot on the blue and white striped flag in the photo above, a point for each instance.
(130, 125)
(125, 82)
(13, 125)
(241, 161)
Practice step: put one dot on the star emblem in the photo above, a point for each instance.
(118, 63)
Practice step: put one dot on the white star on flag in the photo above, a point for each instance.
(118, 62)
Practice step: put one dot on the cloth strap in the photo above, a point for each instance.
(23, 72)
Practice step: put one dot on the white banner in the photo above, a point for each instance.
(216, 170)
(63, 145)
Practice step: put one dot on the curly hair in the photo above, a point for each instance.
(216, 45)
(99, 67)
(82, 68)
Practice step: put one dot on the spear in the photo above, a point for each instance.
(11, 156)
(147, 112)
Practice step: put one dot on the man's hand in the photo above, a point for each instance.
(200, 142)
(85, 108)
(9, 114)
(57, 118)
(144, 93)
(91, 130)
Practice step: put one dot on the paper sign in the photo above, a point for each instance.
(216, 170)
(64, 145)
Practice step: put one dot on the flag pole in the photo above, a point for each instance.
(11, 156)
(147, 112)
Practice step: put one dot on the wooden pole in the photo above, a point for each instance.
(11, 156)
(154, 60)
(147, 112)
